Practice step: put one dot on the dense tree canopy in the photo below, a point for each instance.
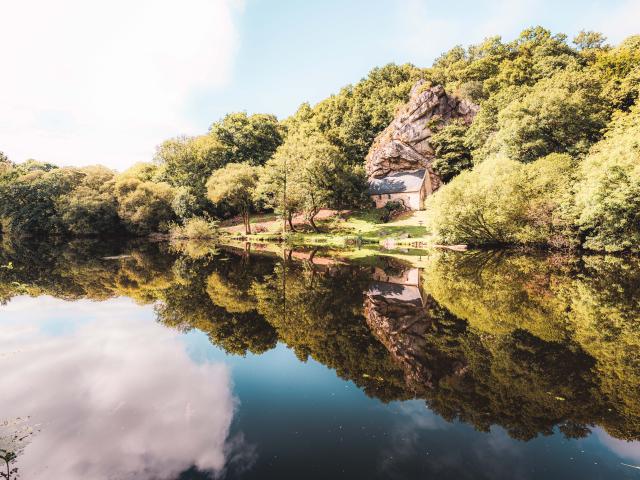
(565, 109)
(247, 138)
(143, 204)
(608, 193)
(540, 97)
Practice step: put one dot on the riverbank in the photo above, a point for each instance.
(339, 229)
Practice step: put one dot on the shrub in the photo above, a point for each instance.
(195, 228)
(391, 209)
(502, 201)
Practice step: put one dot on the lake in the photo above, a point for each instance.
(149, 361)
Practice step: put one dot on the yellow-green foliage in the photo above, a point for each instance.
(91, 208)
(529, 318)
(539, 96)
(500, 293)
(604, 306)
(195, 228)
(479, 206)
(608, 194)
(619, 70)
(560, 114)
(502, 201)
(235, 184)
(144, 204)
(229, 295)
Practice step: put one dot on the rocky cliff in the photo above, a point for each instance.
(404, 144)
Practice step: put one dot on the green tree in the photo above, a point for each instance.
(619, 71)
(608, 193)
(29, 201)
(247, 138)
(536, 54)
(502, 201)
(452, 155)
(589, 40)
(91, 208)
(352, 118)
(187, 163)
(561, 114)
(144, 205)
(315, 171)
(275, 188)
(235, 184)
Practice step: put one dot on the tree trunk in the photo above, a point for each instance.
(290, 220)
(313, 224)
(247, 223)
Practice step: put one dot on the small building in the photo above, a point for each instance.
(410, 188)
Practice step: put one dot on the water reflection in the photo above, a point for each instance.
(107, 397)
(529, 344)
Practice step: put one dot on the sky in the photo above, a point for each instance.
(87, 81)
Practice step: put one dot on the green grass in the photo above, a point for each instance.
(368, 226)
(353, 229)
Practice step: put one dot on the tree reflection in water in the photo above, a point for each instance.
(526, 341)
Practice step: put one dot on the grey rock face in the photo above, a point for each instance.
(404, 144)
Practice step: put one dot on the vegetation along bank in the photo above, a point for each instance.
(535, 141)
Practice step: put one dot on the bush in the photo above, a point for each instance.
(502, 201)
(391, 209)
(195, 228)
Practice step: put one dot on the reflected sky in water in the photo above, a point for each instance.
(111, 393)
(363, 372)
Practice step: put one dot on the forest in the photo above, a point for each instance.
(552, 158)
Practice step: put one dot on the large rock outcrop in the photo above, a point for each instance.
(404, 144)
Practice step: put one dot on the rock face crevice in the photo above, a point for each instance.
(404, 144)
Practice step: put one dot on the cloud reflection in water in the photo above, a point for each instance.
(116, 395)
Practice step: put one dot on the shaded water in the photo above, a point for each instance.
(141, 361)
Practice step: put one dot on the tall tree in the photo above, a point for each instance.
(247, 138)
(315, 169)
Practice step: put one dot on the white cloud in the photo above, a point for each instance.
(115, 396)
(87, 82)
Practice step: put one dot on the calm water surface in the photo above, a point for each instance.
(155, 362)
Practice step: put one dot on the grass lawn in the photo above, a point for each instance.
(340, 229)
